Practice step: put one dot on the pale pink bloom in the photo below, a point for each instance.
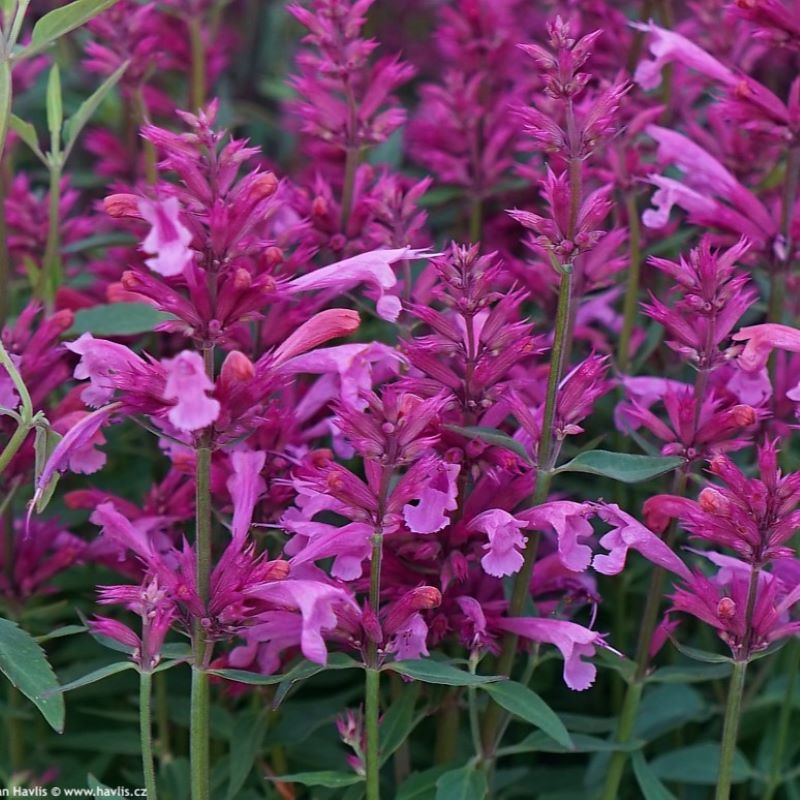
(674, 193)
(101, 362)
(569, 521)
(78, 438)
(187, 383)
(373, 268)
(349, 545)
(316, 603)
(134, 536)
(630, 534)
(762, 340)
(503, 550)
(84, 458)
(410, 640)
(245, 486)
(667, 46)
(168, 240)
(574, 641)
(438, 495)
(321, 328)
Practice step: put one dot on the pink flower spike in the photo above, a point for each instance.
(630, 534)
(439, 495)
(569, 520)
(245, 486)
(168, 241)
(762, 340)
(668, 46)
(373, 267)
(187, 383)
(503, 551)
(574, 641)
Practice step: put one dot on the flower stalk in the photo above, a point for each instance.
(730, 730)
(146, 733)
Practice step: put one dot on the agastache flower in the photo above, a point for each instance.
(168, 241)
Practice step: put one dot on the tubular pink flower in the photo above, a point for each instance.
(168, 240)
(503, 550)
(102, 362)
(629, 534)
(574, 641)
(761, 340)
(410, 640)
(187, 383)
(245, 486)
(436, 497)
(668, 46)
(373, 268)
(321, 328)
(316, 602)
(570, 522)
(84, 458)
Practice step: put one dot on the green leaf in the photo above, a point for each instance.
(691, 673)
(625, 467)
(97, 675)
(538, 742)
(247, 734)
(421, 785)
(651, 786)
(464, 783)
(61, 21)
(117, 319)
(698, 764)
(25, 664)
(55, 109)
(59, 633)
(300, 671)
(251, 678)
(493, 437)
(327, 778)
(666, 707)
(78, 120)
(28, 134)
(398, 721)
(702, 655)
(524, 703)
(430, 671)
(44, 443)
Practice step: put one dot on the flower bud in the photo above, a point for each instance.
(122, 205)
(726, 609)
(264, 186)
(237, 368)
(712, 502)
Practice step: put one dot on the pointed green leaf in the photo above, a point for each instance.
(117, 319)
(625, 467)
(44, 443)
(60, 633)
(55, 109)
(701, 655)
(524, 703)
(421, 785)
(464, 783)
(399, 721)
(649, 783)
(327, 778)
(691, 673)
(28, 134)
(97, 675)
(61, 21)
(25, 664)
(250, 678)
(493, 437)
(430, 671)
(78, 120)
(101, 790)
(698, 764)
(247, 734)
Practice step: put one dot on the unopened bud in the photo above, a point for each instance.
(319, 208)
(263, 186)
(744, 415)
(237, 368)
(272, 256)
(726, 609)
(242, 280)
(277, 570)
(122, 205)
(711, 501)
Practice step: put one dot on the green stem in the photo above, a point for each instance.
(146, 734)
(730, 730)
(372, 677)
(784, 719)
(197, 88)
(632, 291)
(352, 158)
(50, 277)
(13, 445)
(199, 734)
(493, 717)
(162, 718)
(371, 714)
